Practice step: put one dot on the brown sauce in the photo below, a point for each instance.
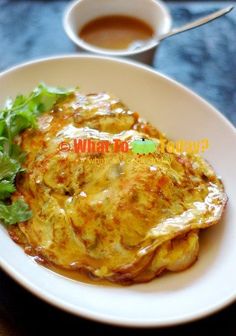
(79, 276)
(116, 32)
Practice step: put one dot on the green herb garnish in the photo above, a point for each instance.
(16, 116)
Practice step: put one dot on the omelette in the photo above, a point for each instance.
(119, 216)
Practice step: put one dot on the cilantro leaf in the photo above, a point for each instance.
(18, 115)
(14, 213)
(17, 154)
(20, 121)
(6, 189)
(22, 112)
(8, 167)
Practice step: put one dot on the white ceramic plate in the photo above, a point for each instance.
(173, 298)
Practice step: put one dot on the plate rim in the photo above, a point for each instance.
(86, 313)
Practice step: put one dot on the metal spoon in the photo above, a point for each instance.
(197, 23)
(139, 44)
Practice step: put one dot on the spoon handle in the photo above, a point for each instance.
(197, 23)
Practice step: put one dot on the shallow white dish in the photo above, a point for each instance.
(173, 298)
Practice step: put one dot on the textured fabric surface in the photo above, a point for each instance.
(204, 59)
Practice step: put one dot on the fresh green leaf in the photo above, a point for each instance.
(6, 189)
(17, 212)
(2, 127)
(55, 90)
(16, 116)
(22, 112)
(17, 154)
(47, 96)
(8, 167)
(21, 121)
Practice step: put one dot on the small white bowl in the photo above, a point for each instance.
(152, 12)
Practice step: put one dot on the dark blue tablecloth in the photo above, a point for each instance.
(204, 60)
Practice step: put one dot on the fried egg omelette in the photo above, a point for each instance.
(124, 218)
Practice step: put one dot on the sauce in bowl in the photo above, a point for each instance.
(116, 32)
